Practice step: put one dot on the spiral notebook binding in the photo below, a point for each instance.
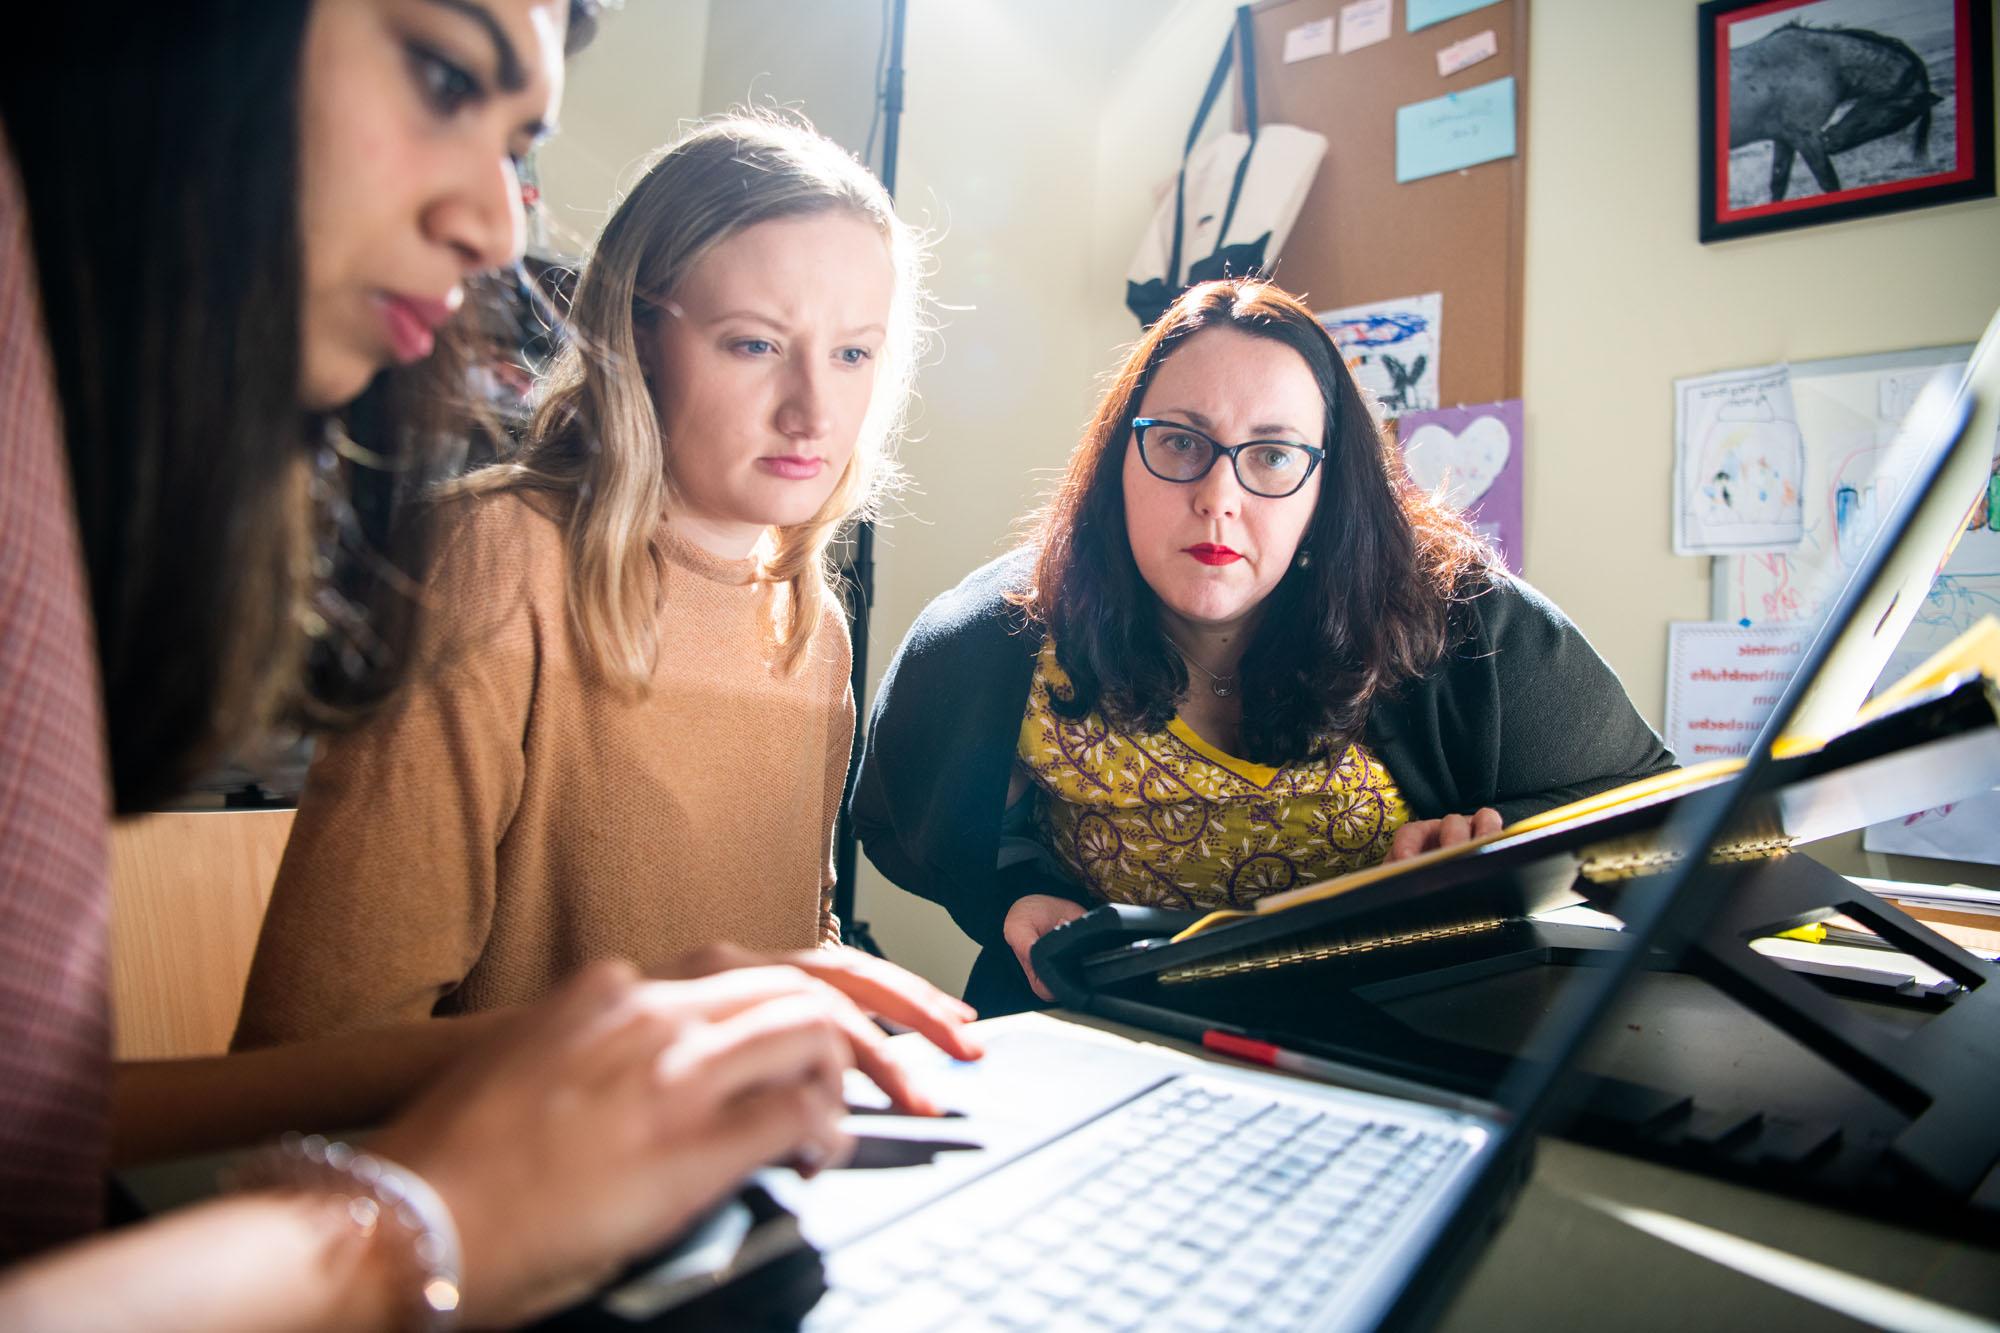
(1608, 863)
(1612, 863)
(1315, 951)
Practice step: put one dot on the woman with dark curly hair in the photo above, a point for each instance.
(1241, 652)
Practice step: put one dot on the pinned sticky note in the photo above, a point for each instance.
(1364, 23)
(1480, 46)
(1309, 40)
(1460, 129)
(1423, 13)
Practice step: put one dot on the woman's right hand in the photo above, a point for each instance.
(1430, 835)
(1029, 919)
(608, 1117)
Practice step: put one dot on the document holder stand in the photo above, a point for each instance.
(1911, 1128)
(1944, 1074)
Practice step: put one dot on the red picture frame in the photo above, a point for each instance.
(1786, 143)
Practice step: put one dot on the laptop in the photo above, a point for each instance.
(1105, 1184)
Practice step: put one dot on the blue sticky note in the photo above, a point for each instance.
(1423, 13)
(1456, 130)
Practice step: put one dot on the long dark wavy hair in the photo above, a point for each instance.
(1370, 611)
(158, 148)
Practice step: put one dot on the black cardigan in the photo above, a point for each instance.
(1522, 715)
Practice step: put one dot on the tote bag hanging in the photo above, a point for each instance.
(1235, 201)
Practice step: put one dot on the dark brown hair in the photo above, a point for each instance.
(1370, 611)
(158, 148)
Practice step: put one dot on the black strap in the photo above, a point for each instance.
(1247, 51)
(1237, 49)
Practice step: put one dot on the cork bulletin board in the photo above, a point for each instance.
(1361, 236)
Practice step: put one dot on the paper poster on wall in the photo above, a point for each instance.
(1392, 349)
(1423, 13)
(1460, 129)
(1473, 455)
(1954, 604)
(1848, 411)
(1739, 463)
(1968, 830)
(1722, 682)
(1364, 23)
(1962, 831)
(1309, 40)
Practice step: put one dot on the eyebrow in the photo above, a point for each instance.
(1261, 431)
(506, 59)
(750, 315)
(783, 327)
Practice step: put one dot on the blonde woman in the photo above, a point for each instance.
(630, 734)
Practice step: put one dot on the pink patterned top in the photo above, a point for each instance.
(55, 1038)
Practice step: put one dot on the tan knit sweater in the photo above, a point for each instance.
(511, 817)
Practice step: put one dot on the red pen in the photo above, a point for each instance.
(1242, 1046)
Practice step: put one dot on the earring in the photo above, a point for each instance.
(1305, 559)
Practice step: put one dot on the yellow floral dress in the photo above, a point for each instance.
(1165, 819)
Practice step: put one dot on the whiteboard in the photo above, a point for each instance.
(1848, 409)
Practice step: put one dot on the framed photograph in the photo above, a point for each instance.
(1822, 110)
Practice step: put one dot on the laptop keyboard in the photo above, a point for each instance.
(1200, 1205)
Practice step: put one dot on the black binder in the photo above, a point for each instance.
(1937, 750)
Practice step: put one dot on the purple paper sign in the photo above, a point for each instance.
(1474, 455)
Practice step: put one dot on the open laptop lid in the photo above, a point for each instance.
(1941, 461)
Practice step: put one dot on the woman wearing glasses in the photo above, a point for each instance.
(1241, 653)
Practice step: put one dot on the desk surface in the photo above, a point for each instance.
(1562, 1261)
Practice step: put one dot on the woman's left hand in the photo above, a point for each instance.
(1428, 835)
(876, 986)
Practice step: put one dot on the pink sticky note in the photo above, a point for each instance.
(1480, 46)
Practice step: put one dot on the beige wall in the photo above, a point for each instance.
(628, 92)
(816, 57)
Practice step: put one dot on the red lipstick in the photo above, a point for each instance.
(1210, 554)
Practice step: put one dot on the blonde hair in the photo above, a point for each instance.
(596, 437)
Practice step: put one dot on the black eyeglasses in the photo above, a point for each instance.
(1270, 468)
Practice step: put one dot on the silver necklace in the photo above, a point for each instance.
(1220, 686)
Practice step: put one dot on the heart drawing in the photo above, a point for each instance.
(1464, 464)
